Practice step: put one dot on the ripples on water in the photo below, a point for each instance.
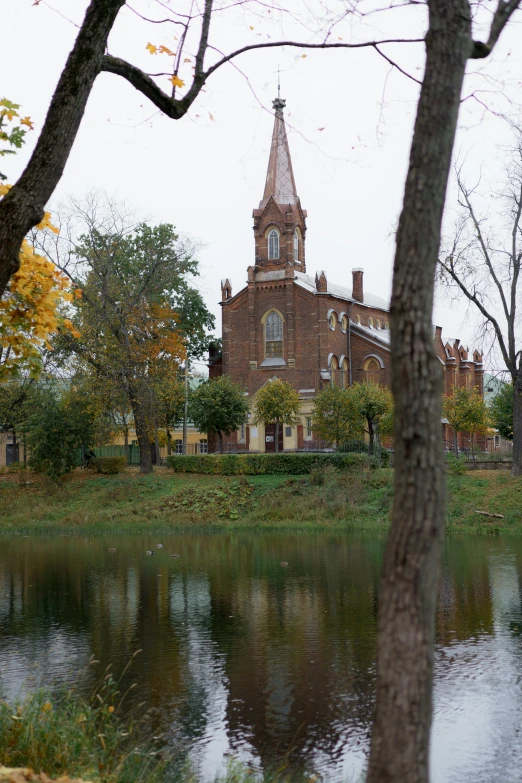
(244, 657)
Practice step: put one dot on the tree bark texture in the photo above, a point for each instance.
(516, 470)
(400, 740)
(24, 205)
(220, 441)
(142, 434)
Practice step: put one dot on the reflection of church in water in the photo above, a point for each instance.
(306, 329)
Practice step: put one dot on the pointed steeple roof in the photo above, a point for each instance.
(280, 181)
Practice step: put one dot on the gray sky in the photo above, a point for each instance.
(350, 121)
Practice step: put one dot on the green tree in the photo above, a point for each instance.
(374, 405)
(502, 411)
(218, 406)
(58, 425)
(335, 417)
(16, 396)
(466, 411)
(138, 315)
(277, 402)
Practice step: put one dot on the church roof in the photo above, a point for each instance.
(280, 183)
(341, 292)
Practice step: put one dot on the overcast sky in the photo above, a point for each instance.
(350, 121)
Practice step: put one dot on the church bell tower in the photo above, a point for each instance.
(279, 221)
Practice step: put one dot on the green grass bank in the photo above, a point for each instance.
(326, 498)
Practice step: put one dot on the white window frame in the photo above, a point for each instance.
(271, 315)
(178, 446)
(273, 245)
(203, 446)
(296, 245)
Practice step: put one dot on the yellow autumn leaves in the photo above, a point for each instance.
(30, 308)
(152, 49)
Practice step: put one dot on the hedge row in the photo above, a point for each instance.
(108, 465)
(253, 464)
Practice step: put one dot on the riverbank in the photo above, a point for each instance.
(358, 500)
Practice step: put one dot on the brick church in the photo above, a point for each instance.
(304, 328)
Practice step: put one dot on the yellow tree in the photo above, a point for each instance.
(32, 304)
(31, 309)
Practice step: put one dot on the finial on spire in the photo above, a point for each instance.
(279, 104)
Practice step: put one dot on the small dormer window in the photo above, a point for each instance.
(273, 245)
(296, 246)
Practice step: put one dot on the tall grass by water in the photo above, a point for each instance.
(60, 732)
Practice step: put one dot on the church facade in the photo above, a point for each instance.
(302, 327)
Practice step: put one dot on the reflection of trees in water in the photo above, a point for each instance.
(464, 605)
(273, 659)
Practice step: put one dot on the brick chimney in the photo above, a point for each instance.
(357, 284)
(320, 282)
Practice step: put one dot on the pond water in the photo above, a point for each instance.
(244, 656)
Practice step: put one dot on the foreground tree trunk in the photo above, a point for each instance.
(24, 205)
(220, 441)
(400, 739)
(516, 470)
(277, 436)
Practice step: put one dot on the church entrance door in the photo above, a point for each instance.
(270, 437)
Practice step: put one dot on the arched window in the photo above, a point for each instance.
(358, 319)
(334, 366)
(331, 322)
(370, 322)
(377, 324)
(372, 370)
(274, 336)
(296, 245)
(344, 324)
(273, 245)
(386, 325)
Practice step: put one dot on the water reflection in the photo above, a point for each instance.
(242, 656)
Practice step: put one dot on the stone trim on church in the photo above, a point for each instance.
(306, 329)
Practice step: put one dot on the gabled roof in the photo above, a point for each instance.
(280, 183)
(341, 292)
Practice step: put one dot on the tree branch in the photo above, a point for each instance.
(176, 108)
(501, 17)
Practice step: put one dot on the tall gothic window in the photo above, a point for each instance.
(274, 336)
(296, 245)
(273, 245)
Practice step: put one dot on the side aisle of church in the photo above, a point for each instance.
(305, 329)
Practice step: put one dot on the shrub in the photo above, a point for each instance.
(108, 464)
(272, 464)
(456, 465)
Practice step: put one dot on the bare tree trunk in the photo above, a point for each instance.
(157, 446)
(220, 440)
(400, 740)
(142, 433)
(169, 443)
(516, 470)
(456, 442)
(24, 205)
(371, 437)
(277, 436)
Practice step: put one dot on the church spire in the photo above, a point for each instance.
(280, 181)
